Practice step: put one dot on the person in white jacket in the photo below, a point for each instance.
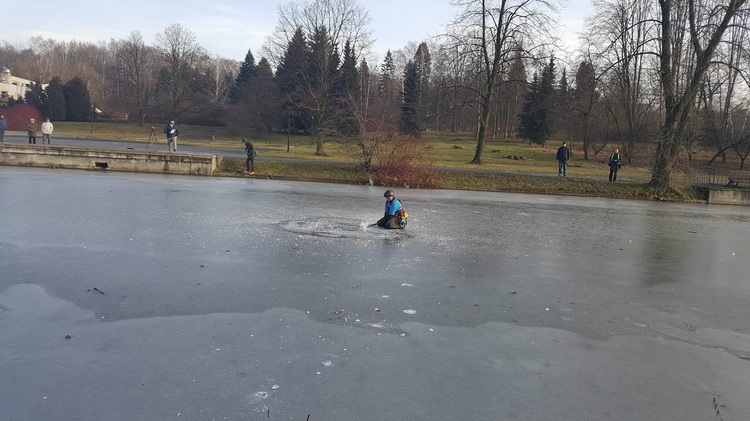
(47, 128)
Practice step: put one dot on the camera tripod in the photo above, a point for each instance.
(151, 136)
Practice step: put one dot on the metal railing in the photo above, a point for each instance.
(714, 176)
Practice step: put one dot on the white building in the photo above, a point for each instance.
(12, 86)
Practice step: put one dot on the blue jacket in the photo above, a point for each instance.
(3, 124)
(392, 207)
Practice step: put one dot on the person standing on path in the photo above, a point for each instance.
(3, 127)
(250, 161)
(614, 164)
(32, 128)
(563, 155)
(47, 129)
(172, 133)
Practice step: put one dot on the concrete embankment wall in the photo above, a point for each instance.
(52, 156)
(729, 196)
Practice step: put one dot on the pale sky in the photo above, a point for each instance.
(229, 27)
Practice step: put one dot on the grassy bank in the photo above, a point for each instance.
(508, 165)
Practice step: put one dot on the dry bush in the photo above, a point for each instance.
(403, 163)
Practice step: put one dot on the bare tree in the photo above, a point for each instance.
(220, 73)
(343, 19)
(137, 66)
(719, 95)
(327, 25)
(47, 59)
(493, 32)
(180, 54)
(621, 31)
(707, 23)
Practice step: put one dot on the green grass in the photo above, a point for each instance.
(448, 153)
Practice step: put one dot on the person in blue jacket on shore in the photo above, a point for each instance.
(171, 131)
(3, 127)
(395, 216)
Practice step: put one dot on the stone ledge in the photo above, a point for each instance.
(729, 196)
(70, 157)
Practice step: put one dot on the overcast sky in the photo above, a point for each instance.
(228, 27)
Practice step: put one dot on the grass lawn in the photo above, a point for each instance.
(448, 153)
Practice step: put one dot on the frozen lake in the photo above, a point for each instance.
(126, 296)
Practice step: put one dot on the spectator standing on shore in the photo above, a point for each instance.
(614, 165)
(32, 128)
(47, 129)
(3, 127)
(250, 161)
(563, 155)
(172, 133)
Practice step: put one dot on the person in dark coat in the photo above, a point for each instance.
(250, 161)
(563, 155)
(32, 128)
(171, 131)
(614, 164)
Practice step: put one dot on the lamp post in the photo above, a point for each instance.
(92, 119)
(288, 127)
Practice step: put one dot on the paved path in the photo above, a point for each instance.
(239, 153)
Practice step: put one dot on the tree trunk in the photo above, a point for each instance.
(319, 139)
(483, 118)
(666, 153)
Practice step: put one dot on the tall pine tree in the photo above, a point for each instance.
(411, 110)
(77, 100)
(36, 97)
(290, 80)
(320, 79)
(248, 70)
(537, 115)
(56, 100)
(423, 66)
(348, 93)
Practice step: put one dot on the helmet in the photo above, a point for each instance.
(389, 193)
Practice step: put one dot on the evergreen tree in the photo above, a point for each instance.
(387, 76)
(528, 127)
(389, 91)
(585, 80)
(77, 100)
(248, 70)
(348, 92)
(548, 101)
(36, 97)
(320, 80)
(264, 69)
(289, 81)
(56, 100)
(411, 110)
(562, 106)
(536, 117)
(423, 66)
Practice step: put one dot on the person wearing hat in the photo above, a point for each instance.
(32, 128)
(3, 127)
(394, 217)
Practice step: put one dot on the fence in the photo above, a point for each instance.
(713, 176)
